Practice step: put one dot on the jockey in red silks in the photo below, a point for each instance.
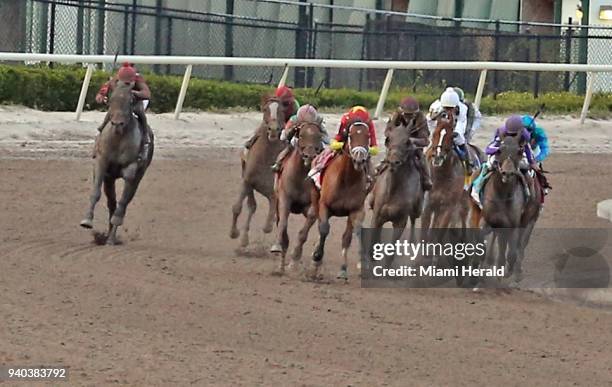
(291, 105)
(142, 94)
(355, 113)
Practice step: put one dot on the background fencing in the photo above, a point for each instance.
(307, 30)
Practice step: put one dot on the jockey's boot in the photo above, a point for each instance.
(421, 165)
(145, 132)
(276, 167)
(249, 143)
(464, 154)
(478, 183)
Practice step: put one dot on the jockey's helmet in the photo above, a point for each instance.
(284, 92)
(514, 124)
(460, 93)
(409, 105)
(449, 98)
(359, 112)
(307, 113)
(529, 122)
(126, 73)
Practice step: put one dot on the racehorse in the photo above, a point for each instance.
(343, 192)
(503, 205)
(398, 192)
(257, 174)
(293, 187)
(116, 156)
(447, 200)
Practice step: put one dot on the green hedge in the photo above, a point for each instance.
(58, 89)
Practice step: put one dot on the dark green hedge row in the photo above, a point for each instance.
(58, 89)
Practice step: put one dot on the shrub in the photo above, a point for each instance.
(58, 88)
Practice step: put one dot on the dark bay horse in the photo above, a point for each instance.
(293, 187)
(257, 174)
(398, 194)
(343, 192)
(504, 203)
(116, 156)
(447, 201)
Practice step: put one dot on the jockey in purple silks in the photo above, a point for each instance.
(512, 127)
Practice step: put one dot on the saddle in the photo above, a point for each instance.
(318, 166)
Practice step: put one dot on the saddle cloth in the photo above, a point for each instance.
(319, 164)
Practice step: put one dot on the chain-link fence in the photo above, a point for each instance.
(269, 28)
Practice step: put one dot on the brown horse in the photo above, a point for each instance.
(447, 201)
(116, 156)
(343, 192)
(257, 174)
(398, 193)
(293, 187)
(504, 203)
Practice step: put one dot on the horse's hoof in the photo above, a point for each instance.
(244, 241)
(343, 274)
(234, 234)
(276, 249)
(87, 223)
(116, 221)
(278, 272)
(112, 242)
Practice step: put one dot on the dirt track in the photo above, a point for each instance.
(174, 305)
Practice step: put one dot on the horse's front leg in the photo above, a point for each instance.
(237, 209)
(282, 243)
(426, 220)
(398, 229)
(111, 199)
(311, 218)
(324, 227)
(96, 192)
(129, 190)
(267, 228)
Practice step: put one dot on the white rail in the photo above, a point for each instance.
(286, 63)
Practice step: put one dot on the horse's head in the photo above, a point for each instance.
(273, 116)
(399, 145)
(358, 144)
(309, 142)
(443, 137)
(121, 106)
(510, 155)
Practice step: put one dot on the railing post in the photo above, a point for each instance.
(183, 92)
(587, 97)
(283, 79)
(84, 89)
(383, 94)
(480, 88)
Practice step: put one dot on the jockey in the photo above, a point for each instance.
(539, 140)
(306, 113)
(512, 127)
(337, 143)
(355, 113)
(408, 110)
(128, 74)
(474, 116)
(287, 99)
(449, 100)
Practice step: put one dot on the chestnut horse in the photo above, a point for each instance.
(116, 152)
(293, 187)
(343, 192)
(447, 201)
(257, 174)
